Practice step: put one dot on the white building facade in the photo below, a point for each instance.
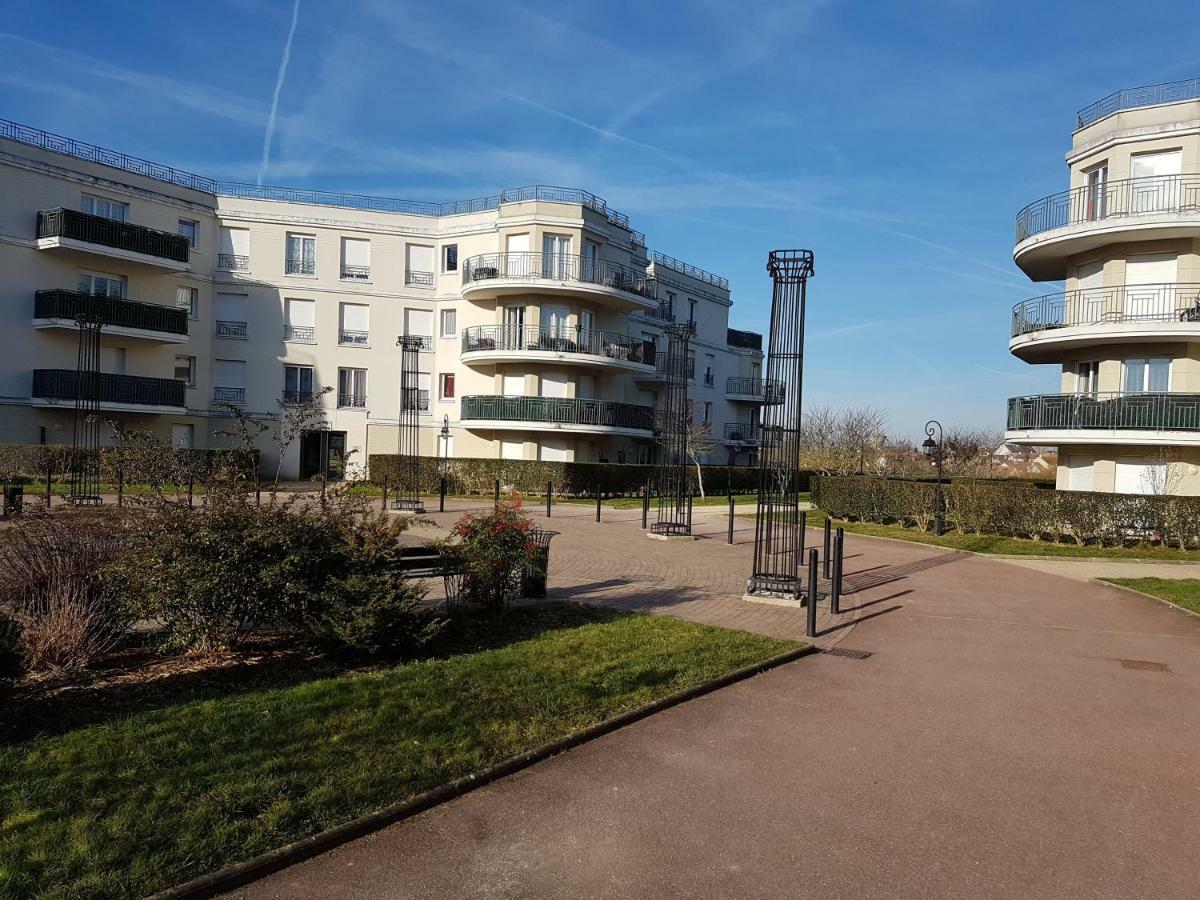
(1125, 332)
(540, 312)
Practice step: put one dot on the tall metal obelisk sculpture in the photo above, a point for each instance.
(674, 415)
(85, 441)
(778, 541)
(408, 491)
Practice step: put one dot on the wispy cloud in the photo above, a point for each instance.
(283, 67)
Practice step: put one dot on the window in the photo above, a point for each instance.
(299, 318)
(190, 229)
(229, 315)
(297, 384)
(1147, 376)
(1097, 192)
(352, 388)
(185, 370)
(103, 285)
(450, 258)
(418, 322)
(446, 386)
(556, 256)
(356, 325)
(707, 412)
(102, 206)
(691, 310)
(709, 376)
(187, 298)
(234, 255)
(418, 266)
(229, 380)
(301, 255)
(183, 436)
(356, 259)
(449, 322)
(670, 305)
(1087, 376)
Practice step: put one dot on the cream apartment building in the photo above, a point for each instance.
(540, 312)
(1125, 332)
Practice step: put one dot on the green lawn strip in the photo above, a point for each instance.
(1001, 544)
(1184, 592)
(636, 502)
(132, 806)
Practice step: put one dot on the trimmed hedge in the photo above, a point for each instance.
(478, 476)
(1018, 508)
(135, 465)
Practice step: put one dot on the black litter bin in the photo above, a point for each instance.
(14, 498)
(533, 579)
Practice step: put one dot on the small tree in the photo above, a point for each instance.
(698, 442)
(295, 418)
(1163, 475)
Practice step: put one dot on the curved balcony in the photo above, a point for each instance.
(490, 344)
(1045, 326)
(127, 318)
(1135, 98)
(1134, 209)
(493, 275)
(754, 390)
(559, 414)
(1150, 419)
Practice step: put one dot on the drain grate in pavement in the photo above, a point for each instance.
(1144, 665)
(848, 653)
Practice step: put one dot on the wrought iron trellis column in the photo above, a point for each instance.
(85, 439)
(778, 537)
(408, 489)
(673, 475)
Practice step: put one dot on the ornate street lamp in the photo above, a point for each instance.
(936, 452)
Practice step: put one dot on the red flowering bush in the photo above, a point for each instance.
(492, 550)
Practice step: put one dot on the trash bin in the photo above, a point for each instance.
(14, 498)
(533, 579)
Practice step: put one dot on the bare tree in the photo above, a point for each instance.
(699, 442)
(1163, 474)
(842, 441)
(295, 418)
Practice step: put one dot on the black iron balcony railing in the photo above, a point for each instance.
(59, 304)
(742, 433)
(227, 328)
(425, 340)
(79, 226)
(1122, 303)
(1132, 98)
(670, 262)
(660, 368)
(356, 273)
(418, 279)
(746, 340)
(300, 265)
(1109, 411)
(558, 267)
(663, 311)
(104, 387)
(354, 338)
(421, 399)
(229, 395)
(291, 398)
(762, 389)
(1112, 199)
(559, 411)
(300, 334)
(606, 344)
(231, 262)
(352, 401)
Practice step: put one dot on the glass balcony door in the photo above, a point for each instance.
(556, 256)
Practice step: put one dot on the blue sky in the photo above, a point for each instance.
(897, 141)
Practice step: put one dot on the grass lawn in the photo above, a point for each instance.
(1183, 592)
(133, 805)
(636, 502)
(1000, 544)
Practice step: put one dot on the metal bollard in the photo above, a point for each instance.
(803, 531)
(442, 495)
(191, 488)
(811, 625)
(645, 504)
(497, 493)
(597, 503)
(383, 502)
(549, 496)
(731, 517)
(835, 583)
(825, 556)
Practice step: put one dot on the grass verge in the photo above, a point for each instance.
(1184, 592)
(134, 805)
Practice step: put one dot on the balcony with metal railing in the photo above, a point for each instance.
(70, 229)
(747, 434)
(414, 278)
(234, 395)
(56, 387)
(354, 338)
(512, 413)
(294, 398)
(743, 340)
(1044, 327)
(1050, 230)
(299, 334)
(352, 401)
(129, 318)
(225, 328)
(1104, 418)
(754, 390)
(355, 273)
(299, 265)
(1135, 98)
(232, 262)
(660, 370)
(492, 275)
(491, 344)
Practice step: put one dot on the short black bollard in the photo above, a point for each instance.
(549, 496)
(120, 485)
(811, 626)
(645, 505)
(828, 546)
(731, 517)
(803, 531)
(597, 503)
(191, 489)
(49, 478)
(497, 493)
(383, 502)
(835, 583)
(442, 495)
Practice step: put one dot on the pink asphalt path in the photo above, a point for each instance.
(1014, 734)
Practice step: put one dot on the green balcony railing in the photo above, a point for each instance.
(1106, 411)
(105, 387)
(80, 226)
(558, 268)
(61, 304)
(590, 342)
(558, 410)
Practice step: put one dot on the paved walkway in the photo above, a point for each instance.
(1014, 734)
(1087, 569)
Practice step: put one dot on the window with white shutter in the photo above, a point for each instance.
(300, 318)
(229, 314)
(356, 325)
(356, 259)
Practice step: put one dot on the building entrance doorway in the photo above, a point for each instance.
(323, 453)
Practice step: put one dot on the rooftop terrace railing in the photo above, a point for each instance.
(1112, 199)
(1107, 411)
(1122, 303)
(558, 410)
(1132, 98)
(661, 259)
(746, 340)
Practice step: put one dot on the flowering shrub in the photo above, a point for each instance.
(492, 550)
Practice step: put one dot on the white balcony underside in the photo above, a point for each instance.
(126, 256)
(1047, 344)
(553, 357)
(1116, 437)
(1043, 256)
(494, 288)
(139, 334)
(108, 406)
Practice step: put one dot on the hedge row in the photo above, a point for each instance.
(478, 476)
(1017, 508)
(134, 465)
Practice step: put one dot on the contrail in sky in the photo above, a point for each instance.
(283, 65)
